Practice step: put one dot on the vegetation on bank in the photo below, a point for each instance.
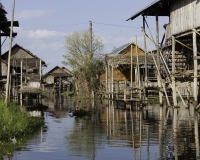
(15, 122)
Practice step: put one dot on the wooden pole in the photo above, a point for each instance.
(131, 74)
(196, 132)
(112, 85)
(125, 91)
(138, 66)
(106, 78)
(21, 84)
(195, 70)
(109, 82)
(91, 49)
(145, 50)
(40, 96)
(9, 53)
(185, 45)
(158, 59)
(173, 71)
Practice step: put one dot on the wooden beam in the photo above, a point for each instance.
(8, 24)
(196, 57)
(185, 45)
(194, 30)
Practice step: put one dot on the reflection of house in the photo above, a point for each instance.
(26, 71)
(58, 79)
(120, 71)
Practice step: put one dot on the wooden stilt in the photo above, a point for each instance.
(173, 71)
(131, 74)
(117, 89)
(188, 93)
(158, 60)
(112, 85)
(195, 70)
(21, 86)
(159, 76)
(106, 79)
(125, 91)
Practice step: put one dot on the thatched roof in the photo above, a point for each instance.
(120, 59)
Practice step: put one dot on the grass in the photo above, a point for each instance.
(16, 122)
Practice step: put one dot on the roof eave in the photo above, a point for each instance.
(149, 10)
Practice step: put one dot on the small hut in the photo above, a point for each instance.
(124, 70)
(59, 79)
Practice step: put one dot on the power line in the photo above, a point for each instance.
(108, 32)
(117, 25)
(64, 25)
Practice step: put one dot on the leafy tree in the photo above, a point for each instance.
(86, 65)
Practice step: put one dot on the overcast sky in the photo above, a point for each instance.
(44, 24)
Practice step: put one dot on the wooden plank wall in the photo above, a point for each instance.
(183, 13)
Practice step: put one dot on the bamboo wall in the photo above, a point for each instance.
(4, 68)
(183, 14)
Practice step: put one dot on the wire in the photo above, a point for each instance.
(64, 25)
(108, 32)
(116, 25)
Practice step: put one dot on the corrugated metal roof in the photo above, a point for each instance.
(116, 51)
(152, 9)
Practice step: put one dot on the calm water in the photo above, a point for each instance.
(153, 132)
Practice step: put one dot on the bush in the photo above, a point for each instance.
(15, 122)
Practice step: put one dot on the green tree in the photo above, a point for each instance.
(86, 65)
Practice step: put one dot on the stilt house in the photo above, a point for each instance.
(26, 71)
(177, 56)
(124, 68)
(58, 79)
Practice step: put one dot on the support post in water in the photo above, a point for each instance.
(158, 61)
(173, 71)
(196, 88)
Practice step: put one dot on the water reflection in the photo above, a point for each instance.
(114, 132)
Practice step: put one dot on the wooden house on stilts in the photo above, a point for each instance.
(125, 73)
(178, 52)
(57, 80)
(25, 73)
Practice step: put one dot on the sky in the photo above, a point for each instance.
(44, 24)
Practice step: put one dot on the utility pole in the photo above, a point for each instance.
(91, 53)
(9, 53)
(91, 48)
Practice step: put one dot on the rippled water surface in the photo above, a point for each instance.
(152, 132)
